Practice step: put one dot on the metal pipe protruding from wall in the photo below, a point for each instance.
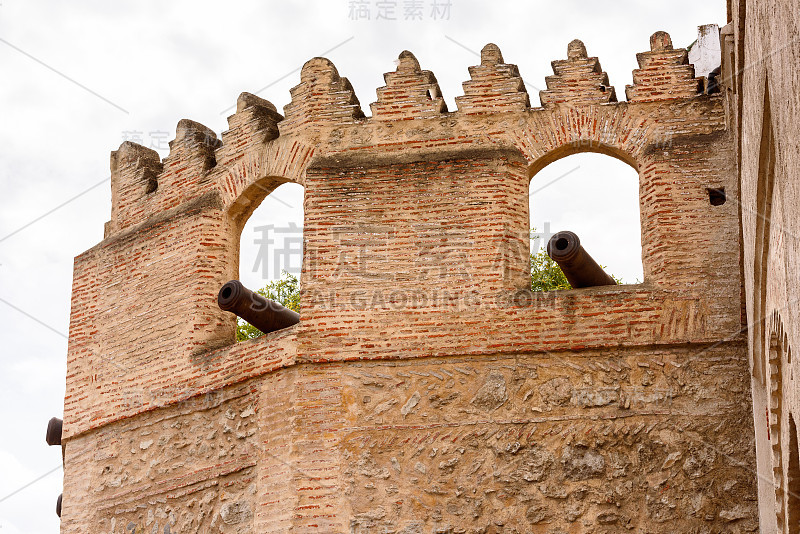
(54, 428)
(578, 266)
(58, 505)
(261, 312)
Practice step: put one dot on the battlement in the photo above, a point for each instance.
(323, 98)
(324, 102)
(409, 93)
(417, 319)
(578, 79)
(495, 86)
(664, 73)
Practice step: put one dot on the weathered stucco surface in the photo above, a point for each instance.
(761, 47)
(426, 388)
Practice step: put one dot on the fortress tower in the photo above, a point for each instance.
(426, 388)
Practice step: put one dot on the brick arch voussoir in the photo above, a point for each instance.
(252, 177)
(552, 134)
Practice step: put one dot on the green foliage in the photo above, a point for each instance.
(285, 291)
(546, 275)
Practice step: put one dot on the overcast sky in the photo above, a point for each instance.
(80, 77)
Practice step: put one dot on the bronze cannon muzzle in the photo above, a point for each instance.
(54, 429)
(578, 266)
(261, 312)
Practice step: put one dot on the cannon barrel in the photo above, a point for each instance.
(54, 426)
(261, 312)
(578, 266)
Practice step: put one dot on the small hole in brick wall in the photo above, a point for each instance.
(716, 196)
(602, 88)
(152, 185)
(428, 94)
(151, 182)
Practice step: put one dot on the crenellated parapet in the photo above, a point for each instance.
(322, 99)
(494, 87)
(324, 116)
(664, 73)
(577, 79)
(192, 154)
(254, 124)
(144, 186)
(134, 176)
(409, 93)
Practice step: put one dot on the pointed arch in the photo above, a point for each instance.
(764, 191)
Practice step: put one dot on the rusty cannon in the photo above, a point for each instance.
(55, 427)
(261, 312)
(54, 430)
(578, 266)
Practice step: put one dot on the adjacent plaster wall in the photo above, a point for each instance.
(764, 113)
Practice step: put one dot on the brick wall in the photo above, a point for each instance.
(425, 388)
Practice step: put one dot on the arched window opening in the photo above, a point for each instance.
(596, 196)
(271, 252)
